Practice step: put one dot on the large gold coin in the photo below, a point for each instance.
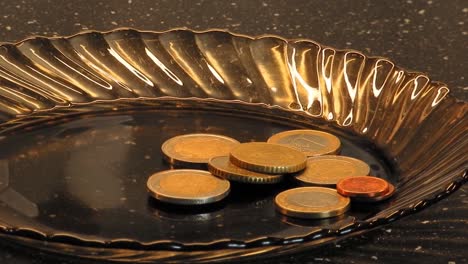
(187, 187)
(222, 167)
(310, 142)
(196, 148)
(267, 158)
(311, 202)
(329, 169)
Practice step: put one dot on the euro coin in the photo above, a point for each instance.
(311, 203)
(362, 186)
(222, 167)
(196, 148)
(187, 187)
(267, 158)
(327, 170)
(310, 142)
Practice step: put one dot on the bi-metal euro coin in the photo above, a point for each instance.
(196, 148)
(311, 202)
(310, 142)
(327, 170)
(187, 187)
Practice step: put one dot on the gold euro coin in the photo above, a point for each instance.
(310, 142)
(327, 170)
(222, 167)
(196, 148)
(187, 187)
(267, 158)
(311, 203)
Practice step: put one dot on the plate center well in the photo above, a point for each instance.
(87, 177)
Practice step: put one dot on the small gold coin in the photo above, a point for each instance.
(310, 142)
(327, 170)
(267, 158)
(187, 187)
(222, 167)
(311, 202)
(196, 148)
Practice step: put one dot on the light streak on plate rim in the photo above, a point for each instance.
(130, 67)
(376, 91)
(65, 96)
(215, 73)
(313, 94)
(351, 90)
(23, 96)
(108, 87)
(29, 86)
(438, 98)
(326, 78)
(293, 73)
(415, 93)
(163, 67)
(100, 70)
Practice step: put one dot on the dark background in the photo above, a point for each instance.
(429, 36)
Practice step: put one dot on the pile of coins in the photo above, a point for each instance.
(309, 156)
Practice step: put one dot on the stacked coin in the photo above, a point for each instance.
(306, 155)
(268, 158)
(222, 167)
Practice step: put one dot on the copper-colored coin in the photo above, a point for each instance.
(383, 197)
(327, 170)
(310, 142)
(267, 158)
(187, 187)
(196, 148)
(362, 186)
(222, 167)
(311, 202)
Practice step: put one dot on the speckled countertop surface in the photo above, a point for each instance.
(428, 36)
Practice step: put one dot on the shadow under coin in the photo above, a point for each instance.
(242, 193)
(190, 213)
(332, 222)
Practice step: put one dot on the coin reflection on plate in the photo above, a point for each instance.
(187, 187)
(310, 142)
(311, 202)
(196, 148)
(184, 213)
(339, 220)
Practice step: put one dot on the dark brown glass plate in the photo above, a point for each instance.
(82, 119)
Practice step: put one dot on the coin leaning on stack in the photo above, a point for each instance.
(300, 154)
